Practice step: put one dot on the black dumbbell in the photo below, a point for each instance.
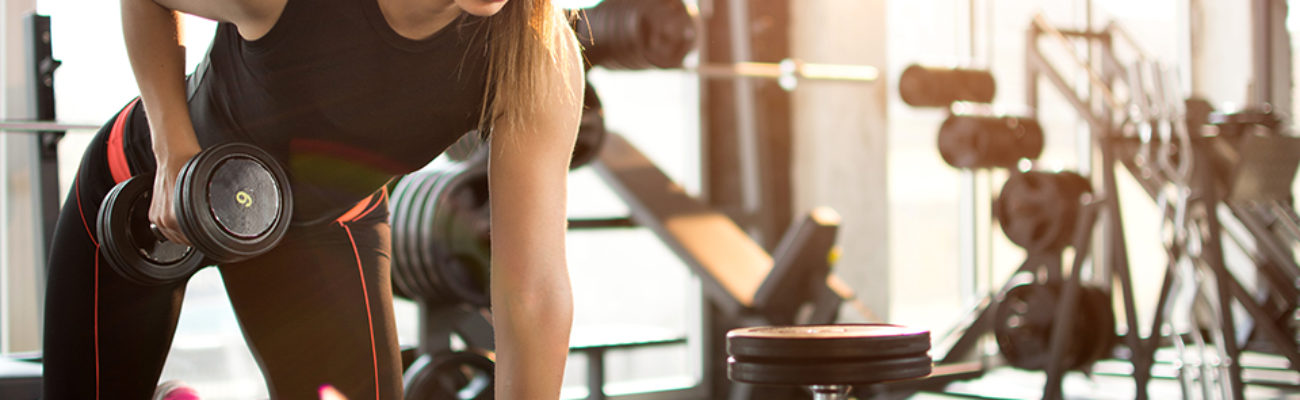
(455, 375)
(232, 201)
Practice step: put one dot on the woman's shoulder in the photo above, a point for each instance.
(254, 18)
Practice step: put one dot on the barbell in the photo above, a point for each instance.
(29, 126)
(658, 34)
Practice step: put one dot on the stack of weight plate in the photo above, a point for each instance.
(439, 218)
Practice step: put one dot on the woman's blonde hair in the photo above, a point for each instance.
(525, 49)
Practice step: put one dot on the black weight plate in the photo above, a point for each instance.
(465, 227)
(1024, 321)
(814, 343)
(440, 240)
(921, 86)
(429, 245)
(591, 130)
(436, 244)
(838, 372)
(207, 202)
(458, 375)
(1023, 325)
(415, 244)
(1038, 210)
(397, 205)
(401, 227)
(186, 207)
(1100, 314)
(432, 251)
(244, 199)
(418, 195)
(467, 147)
(130, 247)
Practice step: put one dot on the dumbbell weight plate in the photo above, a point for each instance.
(1025, 319)
(827, 342)
(829, 372)
(1023, 325)
(464, 226)
(416, 244)
(1101, 319)
(988, 141)
(399, 202)
(441, 240)
(1037, 210)
(458, 375)
(432, 248)
(591, 130)
(128, 244)
(233, 202)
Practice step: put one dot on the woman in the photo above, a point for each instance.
(347, 94)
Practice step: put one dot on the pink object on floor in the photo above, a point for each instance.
(175, 390)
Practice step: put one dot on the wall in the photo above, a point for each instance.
(840, 138)
(18, 249)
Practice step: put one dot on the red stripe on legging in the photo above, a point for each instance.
(89, 233)
(95, 314)
(370, 321)
(117, 165)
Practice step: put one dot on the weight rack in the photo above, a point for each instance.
(1227, 184)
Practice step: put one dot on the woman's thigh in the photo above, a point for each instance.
(317, 310)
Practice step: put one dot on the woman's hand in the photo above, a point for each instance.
(162, 208)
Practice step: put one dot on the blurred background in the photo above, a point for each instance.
(917, 242)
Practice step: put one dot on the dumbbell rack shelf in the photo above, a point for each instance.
(1240, 181)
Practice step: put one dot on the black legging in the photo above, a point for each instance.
(316, 310)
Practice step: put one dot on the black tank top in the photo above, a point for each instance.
(344, 101)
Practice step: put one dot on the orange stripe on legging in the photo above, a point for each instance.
(117, 165)
(370, 320)
(364, 207)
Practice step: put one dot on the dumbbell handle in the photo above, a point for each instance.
(157, 232)
(829, 392)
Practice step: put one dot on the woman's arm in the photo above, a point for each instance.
(151, 30)
(532, 303)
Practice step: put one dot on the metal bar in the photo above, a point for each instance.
(1117, 30)
(45, 192)
(1213, 255)
(1285, 344)
(1042, 66)
(596, 374)
(33, 126)
(601, 223)
(790, 69)
(1063, 324)
(1041, 23)
(747, 143)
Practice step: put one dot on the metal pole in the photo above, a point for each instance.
(33, 126)
(746, 116)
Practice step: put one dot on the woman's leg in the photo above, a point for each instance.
(317, 310)
(105, 337)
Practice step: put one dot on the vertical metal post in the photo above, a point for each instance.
(751, 166)
(1262, 45)
(745, 124)
(46, 147)
(596, 374)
